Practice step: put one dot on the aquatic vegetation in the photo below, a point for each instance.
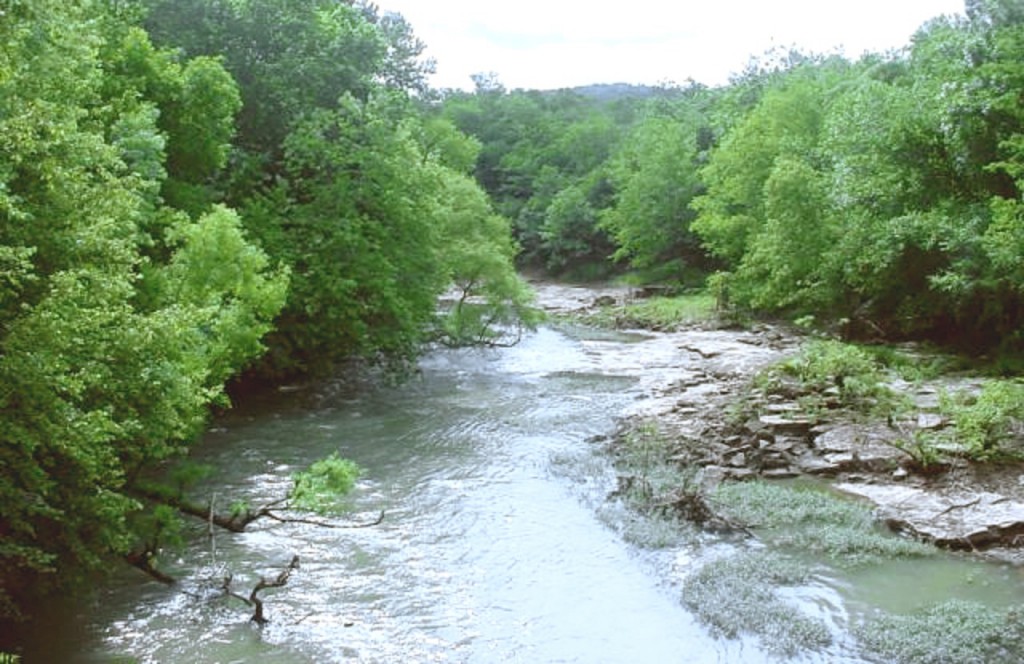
(649, 484)
(812, 520)
(952, 632)
(738, 595)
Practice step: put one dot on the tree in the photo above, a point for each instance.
(121, 318)
(655, 181)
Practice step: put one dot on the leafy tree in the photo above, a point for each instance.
(352, 216)
(655, 177)
(121, 318)
(337, 174)
(535, 146)
(478, 254)
(786, 122)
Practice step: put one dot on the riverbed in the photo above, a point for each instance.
(499, 541)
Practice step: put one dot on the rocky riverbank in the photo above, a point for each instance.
(697, 390)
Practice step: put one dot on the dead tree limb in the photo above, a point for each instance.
(279, 581)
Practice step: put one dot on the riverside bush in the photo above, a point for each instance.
(987, 424)
(656, 313)
(848, 374)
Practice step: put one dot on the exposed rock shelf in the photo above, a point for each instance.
(694, 380)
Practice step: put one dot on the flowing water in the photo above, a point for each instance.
(493, 546)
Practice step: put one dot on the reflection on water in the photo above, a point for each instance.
(494, 547)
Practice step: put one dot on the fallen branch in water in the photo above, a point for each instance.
(253, 599)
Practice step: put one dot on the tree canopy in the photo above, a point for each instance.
(192, 192)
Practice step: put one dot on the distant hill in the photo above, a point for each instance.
(608, 92)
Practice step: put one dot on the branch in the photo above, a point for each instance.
(281, 580)
(143, 560)
(236, 523)
(325, 524)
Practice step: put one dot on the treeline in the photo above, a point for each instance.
(882, 193)
(189, 190)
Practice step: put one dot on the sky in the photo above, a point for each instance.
(546, 44)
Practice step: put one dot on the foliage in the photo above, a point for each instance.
(478, 256)
(990, 423)
(344, 179)
(825, 368)
(655, 179)
(121, 317)
(542, 161)
(321, 487)
(954, 631)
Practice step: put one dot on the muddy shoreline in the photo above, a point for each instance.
(697, 393)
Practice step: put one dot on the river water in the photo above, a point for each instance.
(495, 544)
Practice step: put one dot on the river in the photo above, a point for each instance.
(496, 543)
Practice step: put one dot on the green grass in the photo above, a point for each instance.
(827, 373)
(656, 313)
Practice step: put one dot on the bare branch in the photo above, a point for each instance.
(279, 581)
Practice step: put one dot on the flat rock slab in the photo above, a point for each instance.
(853, 448)
(952, 519)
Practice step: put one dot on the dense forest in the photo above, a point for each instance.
(882, 195)
(196, 194)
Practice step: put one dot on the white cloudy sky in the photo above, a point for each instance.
(561, 43)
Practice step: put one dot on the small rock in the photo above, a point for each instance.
(784, 444)
(780, 473)
(931, 421)
(711, 476)
(900, 473)
(604, 301)
(738, 460)
(782, 408)
(740, 473)
(774, 461)
(797, 426)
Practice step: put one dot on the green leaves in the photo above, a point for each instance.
(655, 178)
(120, 319)
(321, 487)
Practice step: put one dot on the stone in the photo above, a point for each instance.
(781, 424)
(740, 473)
(931, 421)
(786, 444)
(950, 518)
(780, 473)
(782, 408)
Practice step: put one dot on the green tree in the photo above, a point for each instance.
(115, 333)
(655, 177)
